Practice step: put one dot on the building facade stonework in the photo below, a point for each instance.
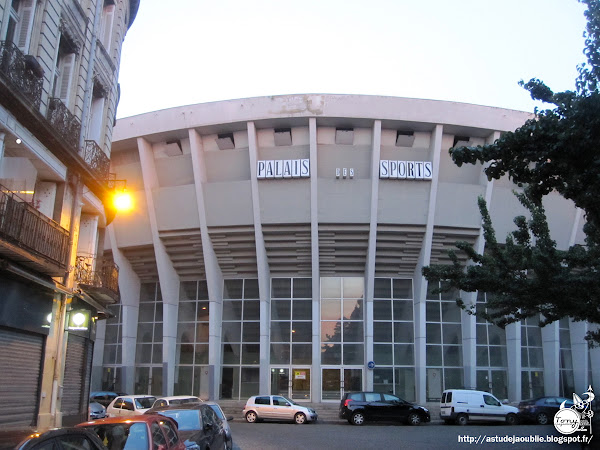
(59, 66)
(277, 246)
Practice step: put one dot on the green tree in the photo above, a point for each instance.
(556, 150)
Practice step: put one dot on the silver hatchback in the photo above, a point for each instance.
(276, 407)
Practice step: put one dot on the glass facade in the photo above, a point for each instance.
(567, 383)
(111, 365)
(148, 354)
(532, 359)
(394, 337)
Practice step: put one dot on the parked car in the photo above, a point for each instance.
(175, 400)
(198, 423)
(145, 432)
(461, 406)
(62, 438)
(541, 410)
(96, 411)
(276, 407)
(130, 405)
(359, 407)
(105, 397)
(217, 409)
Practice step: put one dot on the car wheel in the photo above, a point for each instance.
(251, 417)
(511, 419)
(462, 419)
(300, 418)
(358, 418)
(414, 419)
(542, 418)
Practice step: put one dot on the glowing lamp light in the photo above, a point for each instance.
(123, 201)
(79, 319)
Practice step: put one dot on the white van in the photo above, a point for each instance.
(461, 406)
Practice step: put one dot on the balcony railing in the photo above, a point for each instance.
(96, 159)
(104, 280)
(21, 71)
(26, 227)
(64, 122)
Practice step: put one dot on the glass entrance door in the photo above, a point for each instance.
(336, 381)
(293, 383)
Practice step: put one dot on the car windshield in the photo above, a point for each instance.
(186, 419)
(144, 402)
(128, 436)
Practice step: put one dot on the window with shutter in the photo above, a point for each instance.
(65, 74)
(25, 25)
(107, 25)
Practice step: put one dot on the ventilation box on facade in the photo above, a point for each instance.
(283, 136)
(225, 141)
(405, 138)
(344, 136)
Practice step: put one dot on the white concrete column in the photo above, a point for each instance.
(420, 284)
(169, 280)
(551, 352)
(580, 356)
(513, 354)
(129, 289)
(264, 275)
(314, 251)
(214, 277)
(2, 137)
(88, 239)
(371, 253)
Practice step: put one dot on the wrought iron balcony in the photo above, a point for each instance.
(22, 72)
(101, 284)
(30, 238)
(64, 122)
(96, 159)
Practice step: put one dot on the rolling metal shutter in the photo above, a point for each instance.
(76, 383)
(21, 356)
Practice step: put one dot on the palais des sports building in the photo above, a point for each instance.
(276, 246)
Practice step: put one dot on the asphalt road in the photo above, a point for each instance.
(330, 436)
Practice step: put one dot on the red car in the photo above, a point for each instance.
(150, 432)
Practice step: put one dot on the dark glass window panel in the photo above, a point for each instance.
(251, 309)
(451, 333)
(453, 378)
(232, 289)
(403, 288)
(146, 312)
(566, 360)
(482, 356)
(158, 332)
(231, 353)
(187, 311)
(201, 354)
(187, 290)
(382, 288)
(382, 309)
(203, 312)
(112, 334)
(524, 357)
(148, 292)
(302, 310)
(251, 331)
(251, 289)
(535, 357)
(405, 383)
(523, 336)
(202, 332)
(481, 330)
(232, 332)
(302, 331)
(202, 290)
(450, 312)
(353, 309)
(452, 355)
(565, 339)
(110, 352)
(331, 309)
(403, 310)
(353, 332)
(430, 288)
(403, 332)
(404, 355)
(448, 295)
(145, 332)
(186, 332)
(301, 354)
(280, 353)
(434, 333)
(383, 354)
(498, 356)
(157, 354)
(354, 353)
(250, 381)
(534, 336)
(280, 332)
(143, 353)
(331, 287)
(280, 309)
(382, 331)
(497, 335)
(331, 354)
(158, 312)
(281, 288)
(184, 381)
(232, 310)
(302, 287)
(331, 331)
(250, 353)
(434, 355)
(158, 293)
(432, 311)
(353, 287)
